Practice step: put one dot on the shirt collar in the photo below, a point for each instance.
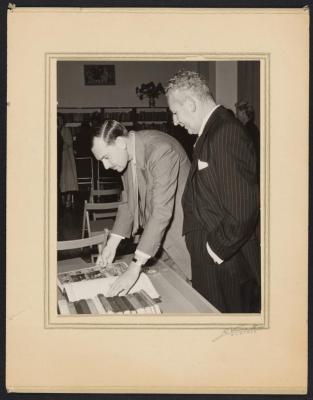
(206, 119)
(133, 147)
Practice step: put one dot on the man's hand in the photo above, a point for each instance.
(126, 281)
(108, 253)
(107, 256)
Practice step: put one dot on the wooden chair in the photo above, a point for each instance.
(99, 240)
(99, 216)
(105, 195)
(85, 174)
(106, 182)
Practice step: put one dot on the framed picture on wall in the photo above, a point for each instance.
(99, 74)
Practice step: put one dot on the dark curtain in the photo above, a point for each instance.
(249, 85)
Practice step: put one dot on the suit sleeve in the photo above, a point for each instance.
(234, 165)
(164, 168)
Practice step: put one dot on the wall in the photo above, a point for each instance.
(208, 70)
(73, 93)
(226, 83)
(249, 86)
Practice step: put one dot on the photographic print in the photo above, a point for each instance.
(191, 153)
(140, 106)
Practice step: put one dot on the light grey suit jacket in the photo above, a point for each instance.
(162, 170)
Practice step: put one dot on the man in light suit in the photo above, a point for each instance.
(154, 170)
(221, 198)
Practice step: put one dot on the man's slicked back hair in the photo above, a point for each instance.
(110, 130)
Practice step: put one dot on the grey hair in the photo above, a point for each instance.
(190, 81)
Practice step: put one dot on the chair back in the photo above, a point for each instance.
(99, 240)
(99, 216)
(104, 181)
(102, 195)
(85, 174)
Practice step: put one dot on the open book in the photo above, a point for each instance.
(89, 273)
(85, 292)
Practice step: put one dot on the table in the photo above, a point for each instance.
(177, 295)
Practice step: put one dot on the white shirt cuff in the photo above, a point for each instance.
(215, 257)
(141, 256)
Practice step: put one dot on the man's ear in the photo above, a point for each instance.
(190, 104)
(120, 142)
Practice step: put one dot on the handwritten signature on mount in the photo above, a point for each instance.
(236, 331)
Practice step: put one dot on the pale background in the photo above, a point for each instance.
(72, 91)
(44, 357)
(229, 82)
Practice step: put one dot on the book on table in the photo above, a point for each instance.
(85, 292)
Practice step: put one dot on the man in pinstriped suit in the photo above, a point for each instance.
(221, 198)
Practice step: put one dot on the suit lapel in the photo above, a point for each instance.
(209, 127)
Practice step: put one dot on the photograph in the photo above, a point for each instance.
(157, 200)
(168, 162)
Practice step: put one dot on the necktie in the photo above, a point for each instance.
(135, 187)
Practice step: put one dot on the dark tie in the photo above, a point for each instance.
(135, 187)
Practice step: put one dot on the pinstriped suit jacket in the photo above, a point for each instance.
(223, 198)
